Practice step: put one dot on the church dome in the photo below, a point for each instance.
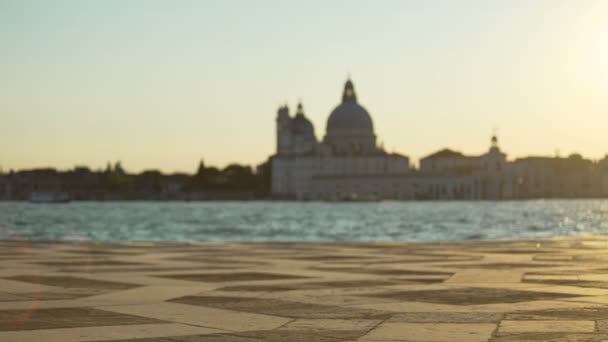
(349, 116)
(349, 127)
(301, 125)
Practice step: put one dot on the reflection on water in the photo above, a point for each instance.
(302, 221)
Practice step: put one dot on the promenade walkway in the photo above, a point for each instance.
(546, 290)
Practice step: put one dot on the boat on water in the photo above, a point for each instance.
(49, 197)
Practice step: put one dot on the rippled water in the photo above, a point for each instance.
(305, 221)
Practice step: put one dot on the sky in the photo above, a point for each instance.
(164, 84)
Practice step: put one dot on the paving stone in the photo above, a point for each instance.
(447, 317)
(107, 333)
(435, 332)
(552, 337)
(288, 335)
(281, 308)
(89, 263)
(9, 297)
(72, 282)
(234, 276)
(568, 282)
(601, 325)
(337, 328)
(511, 327)
(380, 271)
(138, 269)
(471, 296)
(35, 319)
(308, 286)
(561, 314)
(498, 266)
(252, 292)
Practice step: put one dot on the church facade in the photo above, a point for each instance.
(349, 164)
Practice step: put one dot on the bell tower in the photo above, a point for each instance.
(284, 134)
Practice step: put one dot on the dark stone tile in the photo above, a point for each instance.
(35, 296)
(309, 286)
(233, 276)
(470, 296)
(213, 338)
(353, 283)
(101, 252)
(288, 335)
(601, 325)
(568, 282)
(81, 262)
(590, 314)
(553, 257)
(517, 251)
(499, 266)
(591, 257)
(10, 297)
(552, 337)
(447, 317)
(140, 269)
(331, 257)
(420, 280)
(72, 282)
(154, 339)
(282, 308)
(35, 319)
(437, 258)
(264, 288)
(381, 271)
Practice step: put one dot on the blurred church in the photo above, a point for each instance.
(349, 164)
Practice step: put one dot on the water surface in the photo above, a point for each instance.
(302, 221)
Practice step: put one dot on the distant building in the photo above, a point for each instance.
(346, 164)
(449, 174)
(572, 177)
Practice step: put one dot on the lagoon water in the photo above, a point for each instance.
(302, 221)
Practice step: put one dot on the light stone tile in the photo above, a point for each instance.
(435, 332)
(552, 277)
(15, 286)
(104, 333)
(146, 294)
(593, 277)
(571, 290)
(510, 327)
(486, 276)
(589, 299)
(227, 320)
(331, 324)
(531, 306)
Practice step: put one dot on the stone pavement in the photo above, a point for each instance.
(550, 290)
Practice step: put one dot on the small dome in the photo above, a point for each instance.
(301, 125)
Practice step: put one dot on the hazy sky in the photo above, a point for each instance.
(162, 84)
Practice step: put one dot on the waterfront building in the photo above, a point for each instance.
(449, 174)
(556, 177)
(347, 164)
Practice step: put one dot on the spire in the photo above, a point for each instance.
(349, 91)
(494, 143)
(300, 110)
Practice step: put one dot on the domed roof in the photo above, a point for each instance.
(349, 116)
(301, 125)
